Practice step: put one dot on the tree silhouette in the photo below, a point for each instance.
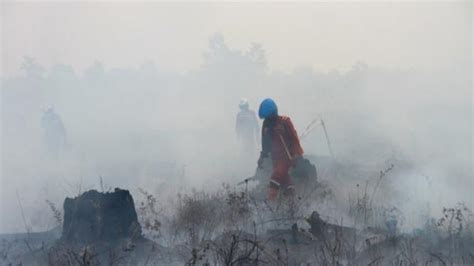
(31, 68)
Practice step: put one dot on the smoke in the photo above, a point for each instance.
(154, 127)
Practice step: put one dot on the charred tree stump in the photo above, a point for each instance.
(95, 216)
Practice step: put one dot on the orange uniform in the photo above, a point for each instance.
(279, 138)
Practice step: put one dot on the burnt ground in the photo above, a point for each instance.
(238, 227)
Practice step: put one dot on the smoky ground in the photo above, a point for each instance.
(401, 142)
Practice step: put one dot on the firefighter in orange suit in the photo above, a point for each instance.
(280, 142)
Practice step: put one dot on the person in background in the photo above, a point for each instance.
(54, 132)
(247, 128)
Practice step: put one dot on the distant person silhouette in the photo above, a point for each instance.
(247, 128)
(54, 132)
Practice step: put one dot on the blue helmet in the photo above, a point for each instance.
(267, 109)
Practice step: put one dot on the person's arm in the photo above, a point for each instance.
(295, 145)
(266, 140)
(266, 144)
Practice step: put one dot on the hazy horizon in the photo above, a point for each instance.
(324, 36)
(146, 88)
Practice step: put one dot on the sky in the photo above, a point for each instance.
(324, 36)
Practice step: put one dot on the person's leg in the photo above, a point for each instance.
(273, 190)
(279, 179)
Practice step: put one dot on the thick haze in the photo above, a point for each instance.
(322, 35)
(148, 94)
